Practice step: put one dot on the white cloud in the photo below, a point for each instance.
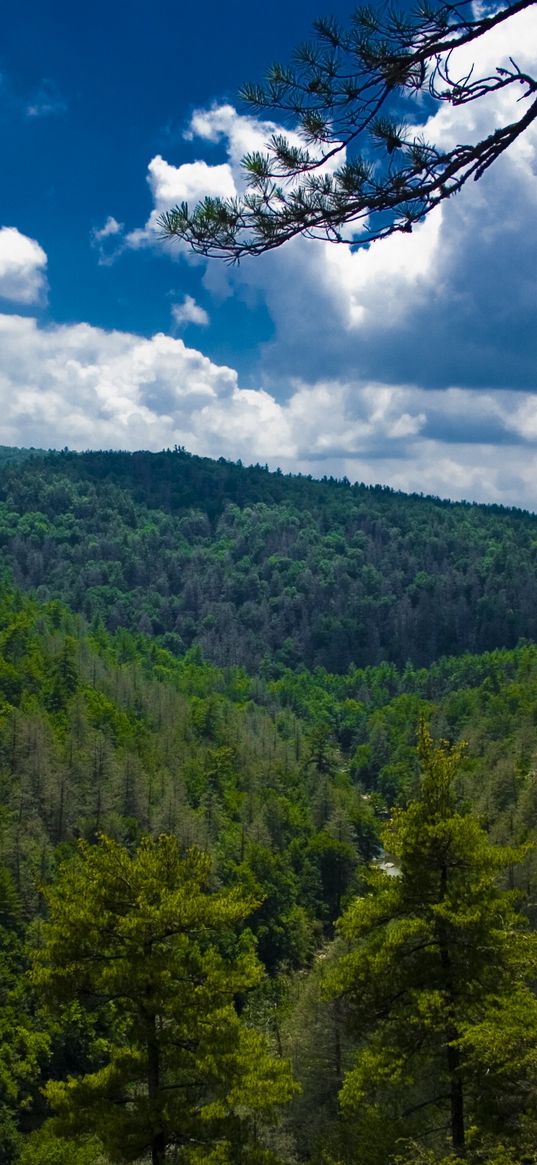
(108, 241)
(252, 424)
(241, 134)
(22, 267)
(189, 312)
(411, 362)
(448, 304)
(514, 39)
(192, 181)
(171, 185)
(187, 183)
(84, 387)
(382, 284)
(452, 303)
(111, 227)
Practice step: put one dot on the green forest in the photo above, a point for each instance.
(268, 813)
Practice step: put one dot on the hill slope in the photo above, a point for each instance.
(250, 564)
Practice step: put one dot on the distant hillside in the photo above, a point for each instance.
(256, 566)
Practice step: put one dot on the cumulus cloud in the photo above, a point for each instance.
(511, 40)
(107, 240)
(110, 228)
(192, 181)
(171, 185)
(240, 133)
(100, 388)
(86, 387)
(411, 362)
(22, 267)
(451, 304)
(189, 312)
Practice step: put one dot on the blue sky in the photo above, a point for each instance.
(413, 363)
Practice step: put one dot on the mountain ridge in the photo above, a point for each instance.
(256, 566)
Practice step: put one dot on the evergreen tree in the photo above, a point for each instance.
(159, 959)
(437, 970)
(23, 1045)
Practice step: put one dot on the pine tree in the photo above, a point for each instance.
(159, 959)
(436, 978)
(350, 95)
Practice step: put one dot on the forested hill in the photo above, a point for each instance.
(293, 790)
(282, 781)
(255, 566)
(282, 786)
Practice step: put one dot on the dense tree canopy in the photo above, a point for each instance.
(258, 568)
(23, 1044)
(356, 169)
(272, 789)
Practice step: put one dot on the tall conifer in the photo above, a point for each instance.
(142, 942)
(436, 975)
